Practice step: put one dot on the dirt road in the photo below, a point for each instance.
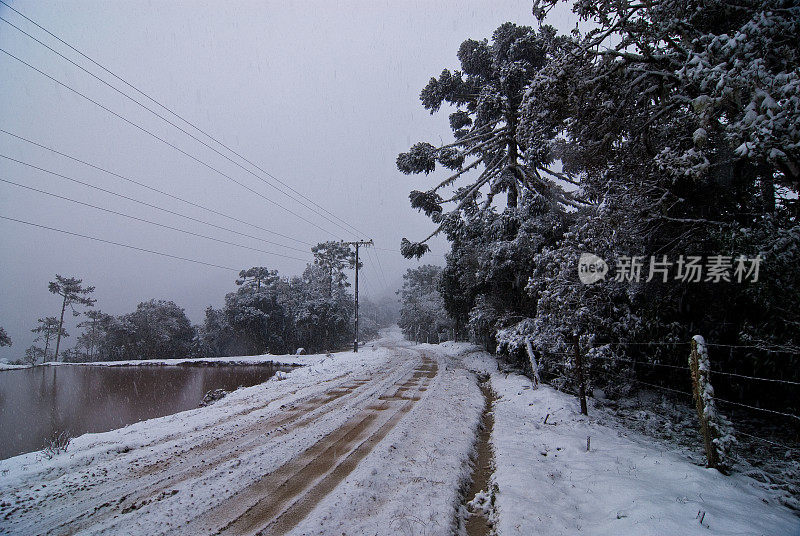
(259, 468)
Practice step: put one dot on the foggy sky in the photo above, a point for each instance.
(323, 95)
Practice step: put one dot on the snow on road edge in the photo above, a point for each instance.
(410, 483)
(549, 484)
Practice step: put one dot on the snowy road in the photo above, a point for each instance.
(386, 429)
(378, 443)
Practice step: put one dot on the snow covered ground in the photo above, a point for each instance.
(8, 366)
(390, 429)
(548, 483)
(239, 360)
(378, 443)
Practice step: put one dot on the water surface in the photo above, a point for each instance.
(36, 403)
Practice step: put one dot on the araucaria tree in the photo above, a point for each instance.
(487, 94)
(671, 128)
(72, 294)
(493, 246)
(332, 258)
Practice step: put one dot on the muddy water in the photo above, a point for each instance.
(477, 524)
(37, 403)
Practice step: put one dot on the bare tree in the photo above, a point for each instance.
(33, 354)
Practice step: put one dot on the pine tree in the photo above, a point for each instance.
(333, 257)
(90, 339)
(5, 340)
(49, 328)
(488, 93)
(72, 293)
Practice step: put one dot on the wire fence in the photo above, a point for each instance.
(565, 374)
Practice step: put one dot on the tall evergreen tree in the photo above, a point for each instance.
(333, 257)
(487, 92)
(90, 338)
(48, 329)
(5, 340)
(72, 294)
(422, 313)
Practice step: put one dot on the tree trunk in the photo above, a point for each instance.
(60, 327)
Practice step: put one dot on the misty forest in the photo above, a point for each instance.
(575, 308)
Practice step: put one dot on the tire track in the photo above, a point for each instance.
(280, 500)
(132, 492)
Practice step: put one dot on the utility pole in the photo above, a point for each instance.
(357, 244)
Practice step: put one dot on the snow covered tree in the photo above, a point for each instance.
(333, 257)
(487, 94)
(252, 277)
(49, 328)
(157, 329)
(72, 293)
(680, 121)
(254, 312)
(5, 340)
(321, 315)
(34, 354)
(217, 337)
(89, 340)
(422, 314)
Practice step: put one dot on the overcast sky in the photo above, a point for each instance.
(322, 95)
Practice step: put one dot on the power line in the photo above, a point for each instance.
(162, 140)
(151, 188)
(149, 221)
(134, 200)
(119, 244)
(166, 120)
(379, 271)
(375, 270)
(175, 114)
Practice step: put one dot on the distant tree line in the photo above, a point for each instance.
(266, 313)
(423, 317)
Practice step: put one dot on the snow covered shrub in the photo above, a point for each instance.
(57, 444)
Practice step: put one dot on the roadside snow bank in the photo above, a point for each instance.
(549, 483)
(265, 359)
(10, 366)
(625, 484)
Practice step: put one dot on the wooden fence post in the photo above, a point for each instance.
(534, 364)
(581, 376)
(698, 359)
